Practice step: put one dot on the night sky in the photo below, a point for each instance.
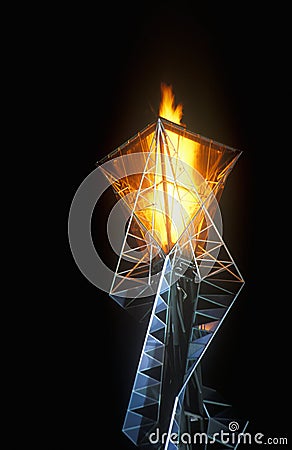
(229, 69)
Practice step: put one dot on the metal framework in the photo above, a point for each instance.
(175, 272)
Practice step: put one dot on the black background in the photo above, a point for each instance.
(229, 69)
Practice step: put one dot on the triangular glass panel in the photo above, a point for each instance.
(156, 324)
(156, 353)
(132, 420)
(138, 401)
(152, 392)
(151, 342)
(175, 427)
(142, 380)
(204, 339)
(161, 305)
(164, 286)
(198, 353)
(193, 348)
(133, 434)
(144, 421)
(147, 362)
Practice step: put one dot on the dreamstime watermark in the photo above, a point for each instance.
(230, 437)
(90, 191)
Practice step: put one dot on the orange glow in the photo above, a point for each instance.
(210, 326)
(167, 108)
(181, 170)
(172, 198)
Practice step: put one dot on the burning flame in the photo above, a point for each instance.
(167, 108)
(172, 217)
(181, 173)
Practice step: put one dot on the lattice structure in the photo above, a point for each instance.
(175, 271)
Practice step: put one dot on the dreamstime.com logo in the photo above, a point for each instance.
(230, 437)
(90, 191)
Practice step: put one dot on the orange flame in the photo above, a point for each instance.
(167, 108)
(169, 229)
(172, 192)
